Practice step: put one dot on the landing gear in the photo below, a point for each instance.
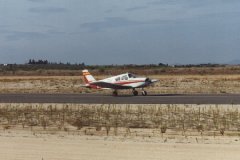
(135, 93)
(144, 93)
(115, 93)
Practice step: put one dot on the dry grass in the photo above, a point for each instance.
(167, 84)
(137, 120)
(40, 84)
(197, 84)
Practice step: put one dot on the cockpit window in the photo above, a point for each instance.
(131, 75)
(125, 77)
(117, 79)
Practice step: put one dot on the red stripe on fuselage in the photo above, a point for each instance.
(128, 82)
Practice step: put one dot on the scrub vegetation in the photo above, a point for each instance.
(124, 120)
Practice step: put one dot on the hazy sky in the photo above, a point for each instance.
(120, 31)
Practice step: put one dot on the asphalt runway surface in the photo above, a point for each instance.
(124, 99)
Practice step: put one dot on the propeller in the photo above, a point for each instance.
(151, 80)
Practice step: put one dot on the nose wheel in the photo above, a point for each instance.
(144, 93)
(135, 93)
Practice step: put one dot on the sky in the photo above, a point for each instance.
(120, 31)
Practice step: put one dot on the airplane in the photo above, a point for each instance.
(119, 82)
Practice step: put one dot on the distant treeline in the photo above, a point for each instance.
(46, 62)
(199, 65)
(47, 68)
(33, 65)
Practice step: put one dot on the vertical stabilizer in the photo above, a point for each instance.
(87, 77)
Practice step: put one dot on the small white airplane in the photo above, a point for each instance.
(122, 81)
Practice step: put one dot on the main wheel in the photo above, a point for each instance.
(135, 93)
(144, 93)
(115, 93)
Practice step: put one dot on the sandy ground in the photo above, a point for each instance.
(26, 146)
(33, 142)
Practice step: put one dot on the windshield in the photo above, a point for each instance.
(131, 75)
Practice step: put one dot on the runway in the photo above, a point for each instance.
(126, 99)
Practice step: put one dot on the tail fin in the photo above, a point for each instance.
(87, 77)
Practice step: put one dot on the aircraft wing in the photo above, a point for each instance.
(110, 85)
